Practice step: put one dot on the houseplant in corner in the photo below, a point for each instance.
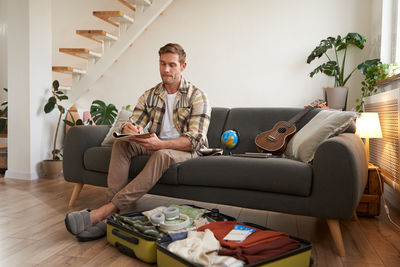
(52, 167)
(335, 65)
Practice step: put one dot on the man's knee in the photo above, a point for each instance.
(118, 144)
(163, 153)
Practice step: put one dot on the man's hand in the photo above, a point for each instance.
(130, 128)
(151, 143)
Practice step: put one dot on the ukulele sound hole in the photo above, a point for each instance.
(281, 130)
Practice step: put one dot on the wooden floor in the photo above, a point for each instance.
(32, 231)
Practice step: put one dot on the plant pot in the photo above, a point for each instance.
(336, 97)
(52, 168)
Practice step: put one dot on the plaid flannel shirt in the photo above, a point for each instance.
(191, 114)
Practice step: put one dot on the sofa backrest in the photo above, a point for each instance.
(218, 119)
(250, 122)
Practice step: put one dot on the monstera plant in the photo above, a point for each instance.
(103, 114)
(335, 66)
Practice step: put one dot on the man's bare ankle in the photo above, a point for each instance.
(102, 213)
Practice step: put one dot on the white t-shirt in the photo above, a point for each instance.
(168, 129)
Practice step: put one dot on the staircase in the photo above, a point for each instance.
(130, 26)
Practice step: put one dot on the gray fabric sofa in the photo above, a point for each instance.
(329, 188)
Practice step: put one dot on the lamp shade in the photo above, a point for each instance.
(368, 125)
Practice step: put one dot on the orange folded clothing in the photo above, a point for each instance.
(262, 251)
(221, 229)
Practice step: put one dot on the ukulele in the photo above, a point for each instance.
(275, 140)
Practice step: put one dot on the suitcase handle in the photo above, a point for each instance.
(125, 237)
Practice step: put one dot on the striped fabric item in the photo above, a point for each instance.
(192, 112)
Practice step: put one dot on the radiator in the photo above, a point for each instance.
(384, 152)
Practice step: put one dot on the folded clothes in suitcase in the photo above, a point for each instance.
(298, 251)
(141, 241)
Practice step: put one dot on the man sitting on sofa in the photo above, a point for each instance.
(178, 115)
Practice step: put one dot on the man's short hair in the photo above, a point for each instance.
(174, 49)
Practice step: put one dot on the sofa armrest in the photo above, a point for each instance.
(340, 171)
(77, 141)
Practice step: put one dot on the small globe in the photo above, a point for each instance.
(230, 139)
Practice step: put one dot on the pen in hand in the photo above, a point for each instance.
(131, 121)
(134, 124)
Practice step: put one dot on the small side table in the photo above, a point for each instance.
(370, 203)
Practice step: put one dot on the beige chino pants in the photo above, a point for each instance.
(123, 194)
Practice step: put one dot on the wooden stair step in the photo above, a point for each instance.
(97, 35)
(80, 52)
(114, 17)
(133, 3)
(68, 70)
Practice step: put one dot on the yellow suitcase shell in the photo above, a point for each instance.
(131, 243)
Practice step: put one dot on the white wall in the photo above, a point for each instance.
(242, 53)
(3, 49)
(29, 76)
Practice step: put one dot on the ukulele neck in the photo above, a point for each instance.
(298, 116)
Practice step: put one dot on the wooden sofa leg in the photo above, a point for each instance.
(75, 194)
(334, 227)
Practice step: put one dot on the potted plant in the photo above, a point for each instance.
(53, 167)
(336, 96)
(374, 70)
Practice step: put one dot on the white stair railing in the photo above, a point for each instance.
(113, 49)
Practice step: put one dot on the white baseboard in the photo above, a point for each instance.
(21, 175)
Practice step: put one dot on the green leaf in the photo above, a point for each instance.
(355, 39)
(79, 122)
(49, 107)
(63, 97)
(56, 84)
(103, 114)
(52, 99)
(318, 51)
(69, 123)
(363, 67)
(61, 109)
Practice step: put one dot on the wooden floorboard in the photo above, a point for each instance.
(32, 230)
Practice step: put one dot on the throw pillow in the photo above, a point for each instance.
(123, 116)
(325, 124)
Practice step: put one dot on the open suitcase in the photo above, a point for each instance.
(300, 257)
(152, 250)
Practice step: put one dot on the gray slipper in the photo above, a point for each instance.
(95, 232)
(78, 221)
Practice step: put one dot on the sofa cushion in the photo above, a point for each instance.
(123, 116)
(98, 159)
(325, 124)
(277, 175)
